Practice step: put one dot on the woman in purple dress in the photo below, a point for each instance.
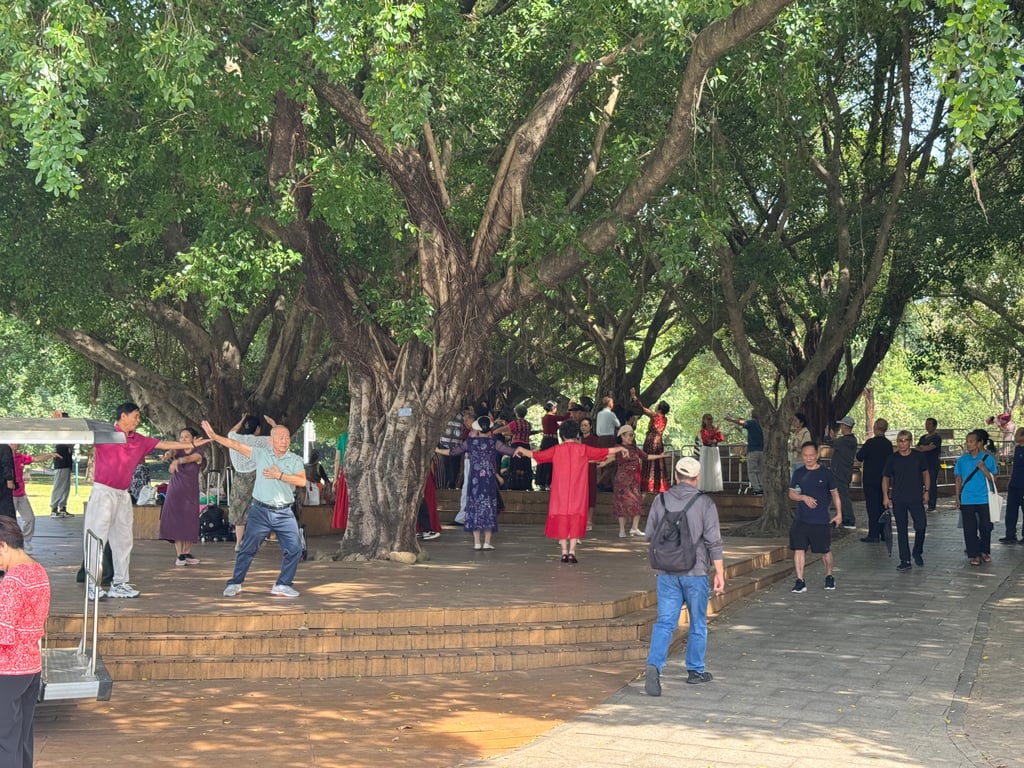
(482, 493)
(179, 516)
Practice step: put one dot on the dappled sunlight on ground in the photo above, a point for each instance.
(345, 722)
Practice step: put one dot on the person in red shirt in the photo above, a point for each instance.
(109, 511)
(567, 505)
(24, 606)
(710, 458)
(22, 505)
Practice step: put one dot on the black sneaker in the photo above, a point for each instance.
(918, 560)
(696, 678)
(1008, 540)
(830, 583)
(799, 586)
(904, 565)
(652, 681)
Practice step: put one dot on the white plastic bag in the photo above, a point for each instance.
(312, 494)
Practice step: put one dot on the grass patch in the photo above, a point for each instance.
(38, 488)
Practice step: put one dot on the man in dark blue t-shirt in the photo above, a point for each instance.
(905, 490)
(872, 456)
(812, 486)
(755, 451)
(930, 444)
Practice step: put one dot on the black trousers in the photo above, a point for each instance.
(873, 503)
(903, 510)
(933, 486)
(108, 569)
(977, 529)
(18, 696)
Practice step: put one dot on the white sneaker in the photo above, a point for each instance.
(232, 589)
(431, 535)
(635, 532)
(283, 590)
(622, 534)
(488, 546)
(92, 592)
(122, 590)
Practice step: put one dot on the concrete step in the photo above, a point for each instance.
(246, 637)
(627, 628)
(373, 664)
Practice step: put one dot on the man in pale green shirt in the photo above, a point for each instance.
(278, 474)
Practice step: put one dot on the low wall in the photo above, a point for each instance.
(316, 519)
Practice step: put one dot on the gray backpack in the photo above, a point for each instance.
(671, 548)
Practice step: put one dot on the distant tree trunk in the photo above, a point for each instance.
(869, 409)
(776, 504)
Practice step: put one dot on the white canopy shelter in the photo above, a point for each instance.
(58, 431)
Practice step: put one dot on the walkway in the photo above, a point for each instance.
(894, 669)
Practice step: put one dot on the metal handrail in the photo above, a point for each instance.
(93, 577)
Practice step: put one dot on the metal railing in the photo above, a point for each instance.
(93, 577)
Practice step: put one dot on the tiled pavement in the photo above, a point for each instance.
(921, 668)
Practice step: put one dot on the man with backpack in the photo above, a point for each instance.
(684, 541)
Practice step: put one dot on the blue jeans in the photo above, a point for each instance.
(263, 520)
(673, 592)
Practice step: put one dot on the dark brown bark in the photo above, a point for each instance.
(295, 371)
(812, 364)
(388, 453)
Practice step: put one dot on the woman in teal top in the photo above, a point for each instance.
(974, 469)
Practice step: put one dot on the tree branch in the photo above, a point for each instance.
(711, 43)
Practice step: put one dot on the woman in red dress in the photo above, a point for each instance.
(627, 499)
(567, 505)
(520, 471)
(710, 457)
(653, 477)
(340, 517)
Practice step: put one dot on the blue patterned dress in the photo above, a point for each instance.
(482, 494)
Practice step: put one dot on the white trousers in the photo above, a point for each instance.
(28, 518)
(109, 515)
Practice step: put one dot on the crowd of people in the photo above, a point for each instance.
(899, 482)
(501, 458)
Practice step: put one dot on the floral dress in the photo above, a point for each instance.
(654, 478)
(627, 498)
(482, 494)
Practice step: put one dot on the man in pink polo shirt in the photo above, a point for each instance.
(109, 511)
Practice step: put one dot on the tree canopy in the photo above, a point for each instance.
(390, 182)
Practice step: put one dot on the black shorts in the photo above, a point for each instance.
(803, 535)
